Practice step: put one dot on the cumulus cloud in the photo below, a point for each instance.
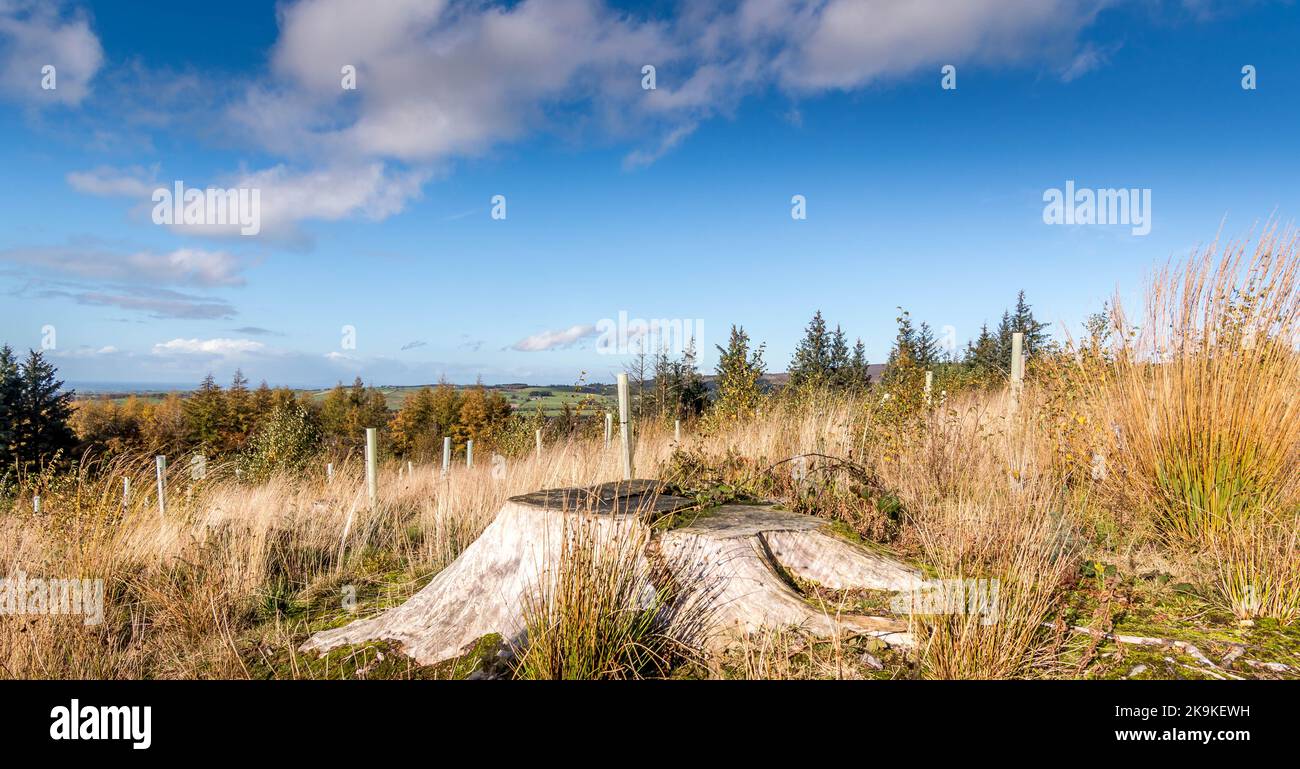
(437, 80)
(217, 347)
(554, 340)
(36, 34)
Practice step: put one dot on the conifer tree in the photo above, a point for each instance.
(811, 364)
(39, 411)
(9, 387)
(738, 373)
(859, 374)
(205, 414)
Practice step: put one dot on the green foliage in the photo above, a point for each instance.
(739, 371)
(34, 412)
(347, 412)
(823, 360)
(286, 441)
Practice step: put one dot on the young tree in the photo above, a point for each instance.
(205, 415)
(902, 364)
(927, 346)
(1036, 338)
(859, 376)
(811, 364)
(693, 394)
(39, 428)
(10, 379)
(239, 413)
(414, 425)
(739, 371)
(982, 354)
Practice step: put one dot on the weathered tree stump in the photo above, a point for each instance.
(734, 560)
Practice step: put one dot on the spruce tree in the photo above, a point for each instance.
(839, 373)
(811, 363)
(39, 428)
(205, 414)
(692, 394)
(10, 384)
(1023, 320)
(860, 378)
(927, 346)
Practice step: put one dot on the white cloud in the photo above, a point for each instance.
(36, 34)
(106, 181)
(215, 347)
(437, 80)
(554, 340)
(94, 261)
(847, 44)
(286, 196)
(86, 351)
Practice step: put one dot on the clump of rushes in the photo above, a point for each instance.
(1199, 406)
(1257, 569)
(605, 612)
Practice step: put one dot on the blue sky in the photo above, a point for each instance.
(673, 203)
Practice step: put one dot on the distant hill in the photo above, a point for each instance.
(551, 399)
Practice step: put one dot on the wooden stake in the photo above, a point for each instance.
(677, 431)
(372, 466)
(539, 444)
(624, 428)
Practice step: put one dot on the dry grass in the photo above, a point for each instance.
(609, 609)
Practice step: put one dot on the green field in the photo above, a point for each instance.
(551, 398)
(524, 398)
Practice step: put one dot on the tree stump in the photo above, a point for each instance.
(735, 561)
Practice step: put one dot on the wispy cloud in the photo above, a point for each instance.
(94, 261)
(554, 340)
(107, 181)
(158, 303)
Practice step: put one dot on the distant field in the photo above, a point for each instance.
(551, 399)
(526, 398)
